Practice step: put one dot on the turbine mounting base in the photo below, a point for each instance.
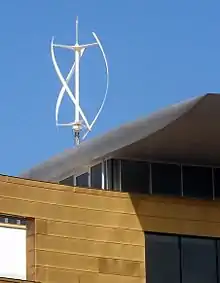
(77, 128)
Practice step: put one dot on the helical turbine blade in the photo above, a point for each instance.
(62, 91)
(107, 85)
(66, 86)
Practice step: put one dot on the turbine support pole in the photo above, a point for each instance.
(77, 127)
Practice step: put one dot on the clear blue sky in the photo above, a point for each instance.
(159, 52)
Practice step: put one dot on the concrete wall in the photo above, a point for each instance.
(86, 236)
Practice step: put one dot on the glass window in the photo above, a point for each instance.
(166, 179)
(68, 181)
(217, 182)
(135, 176)
(197, 182)
(218, 258)
(162, 259)
(198, 260)
(112, 174)
(96, 176)
(83, 180)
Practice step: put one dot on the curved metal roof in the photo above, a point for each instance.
(186, 131)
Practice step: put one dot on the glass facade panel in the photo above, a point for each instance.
(162, 259)
(197, 182)
(173, 258)
(112, 175)
(83, 180)
(96, 176)
(135, 176)
(156, 178)
(166, 179)
(198, 260)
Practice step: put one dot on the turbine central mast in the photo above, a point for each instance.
(77, 124)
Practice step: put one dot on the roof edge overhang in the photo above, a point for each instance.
(107, 145)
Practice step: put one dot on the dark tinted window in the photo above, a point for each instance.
(162, 259)
(172, 258)
(218, 258)
(197, 182)
(112, 174)
(217, 182)
(198, 260)
(166, 179)
(83, 180)
(135, 176)
(68, 181)
(96, 176)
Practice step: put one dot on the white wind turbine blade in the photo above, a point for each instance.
(62, 91)
(64, 46)
(107, 85)
(66, 124)
(66, 86)
(88, 45)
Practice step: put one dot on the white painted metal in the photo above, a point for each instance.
(80, 121)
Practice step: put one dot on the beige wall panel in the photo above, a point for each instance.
(9, 280)
(185, 209)
(68, 214)
(83, 231)
(68, 197)
(91, 248)
(82, 235)
(107, 278)
(102, 265)
(62, 260)
(121, 267)
(56, 275)
(187, 227)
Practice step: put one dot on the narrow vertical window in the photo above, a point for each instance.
(96, 176)
(68, 181)
(83, 180)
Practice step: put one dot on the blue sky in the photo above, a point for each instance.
(159, 52)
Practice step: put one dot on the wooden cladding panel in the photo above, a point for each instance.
(83, 235)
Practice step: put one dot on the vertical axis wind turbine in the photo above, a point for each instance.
(80, 123)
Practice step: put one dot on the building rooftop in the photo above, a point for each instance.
(186, 132)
